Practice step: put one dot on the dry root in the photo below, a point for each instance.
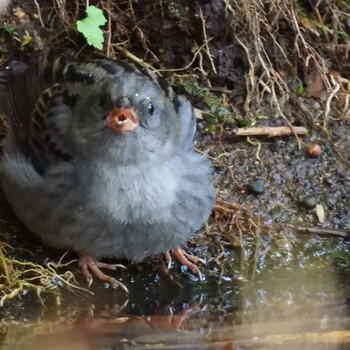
(20, 276)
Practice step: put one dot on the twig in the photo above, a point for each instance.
(228, 205)
(206, 41)
(186, 67)
(329, 100)
(138, 60)
(271, 131)
(109, 28)
(321, 231)
(142, 35)
(256, 250)
(39, 13)
(250, 79)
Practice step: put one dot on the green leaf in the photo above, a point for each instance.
(9, 28)
(300, 89)
(90, 26)
(188, 89)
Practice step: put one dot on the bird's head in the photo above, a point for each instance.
(123, 112)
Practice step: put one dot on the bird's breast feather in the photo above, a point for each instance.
(133, 193)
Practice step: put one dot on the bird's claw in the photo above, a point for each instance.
(88, 263)
(189, 261)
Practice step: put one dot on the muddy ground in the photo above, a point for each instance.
(271, 191)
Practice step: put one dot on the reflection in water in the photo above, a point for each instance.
(286, 309)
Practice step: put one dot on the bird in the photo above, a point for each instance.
(99, 159)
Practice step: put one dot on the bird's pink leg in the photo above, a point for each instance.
(90, 266)
(188, 260)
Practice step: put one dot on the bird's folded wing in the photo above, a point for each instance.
(188, 126)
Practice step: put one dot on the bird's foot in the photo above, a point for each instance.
(90, 266)
(187, 260)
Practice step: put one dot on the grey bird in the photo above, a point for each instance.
(99, 159)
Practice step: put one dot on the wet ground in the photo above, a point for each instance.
(275, 286)
(276, 246)
(294, 309)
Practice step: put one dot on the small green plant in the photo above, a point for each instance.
(217, 112)
(90, 26)
(244, 121)
(300, 89)
(196, 91)
(9, 28)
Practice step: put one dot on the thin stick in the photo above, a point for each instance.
(322, 231)
(109, 29)
(39, 13)
(272, 131)
(138, 60)
(206, 41)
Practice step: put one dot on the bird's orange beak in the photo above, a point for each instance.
(121, 120)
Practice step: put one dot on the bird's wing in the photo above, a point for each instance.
(34, 99)
(188, 126)
(20, 102)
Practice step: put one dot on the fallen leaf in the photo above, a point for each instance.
(20, 14)
(198, 113)
(320, 213)
(315, 86)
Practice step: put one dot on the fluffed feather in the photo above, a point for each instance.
(78, 184)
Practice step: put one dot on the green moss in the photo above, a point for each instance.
(217, 113)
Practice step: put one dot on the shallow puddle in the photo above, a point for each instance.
(291, 309)
(284, 292)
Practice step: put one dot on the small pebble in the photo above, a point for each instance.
(283, 243)
(286, 158)
(256, 187)
(317, 105)
(308, 202)
(268, 220)
(294, 161)
(201, 125)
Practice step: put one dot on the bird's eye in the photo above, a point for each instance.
(150, 108)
